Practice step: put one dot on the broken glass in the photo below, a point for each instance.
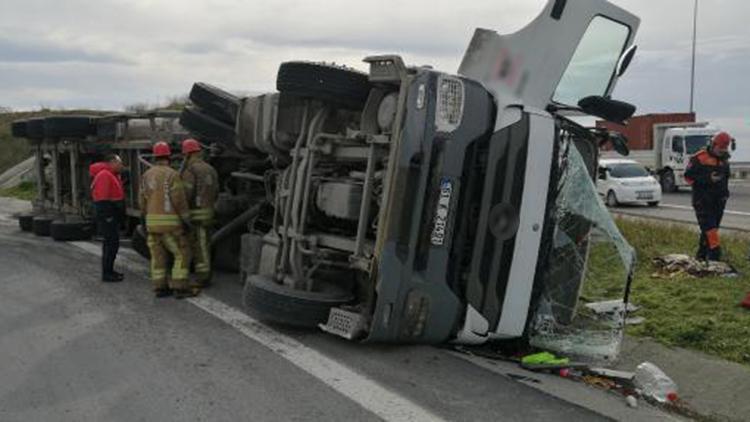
(590, 266)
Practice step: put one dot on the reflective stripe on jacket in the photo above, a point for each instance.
(162, 199)
(202, 188)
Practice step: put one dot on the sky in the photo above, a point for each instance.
(108, 54)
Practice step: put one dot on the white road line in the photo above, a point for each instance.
(358, 387)
(685, 207)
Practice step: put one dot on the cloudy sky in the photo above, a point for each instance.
(111, 53)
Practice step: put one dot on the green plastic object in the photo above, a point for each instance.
(544, 358)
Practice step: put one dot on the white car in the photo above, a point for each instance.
(625, 181)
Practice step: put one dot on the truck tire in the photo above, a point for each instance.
(344, 87)
(653, 204)
(139, 242)
(197, 121)
(41, 225)
(26, 222)
(18, 129)
(667, 182)
(66, 231)
(69, 126)
(215, 102)
(269, 301)
(35, 129)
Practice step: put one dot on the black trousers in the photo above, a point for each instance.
(108, 223)
(709, 212)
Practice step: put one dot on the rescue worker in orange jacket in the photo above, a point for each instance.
(708, 173)
(202, 188)
(162, 200)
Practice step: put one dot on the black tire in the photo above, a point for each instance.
(203, 125)
(69, 126)
(612, 199)
(26, 222)
(139, 243)
(64, 231)
(215, 102)
(41, 225)
(35, 129)
(667, 182)
(653, 203)
(344, 87)
(18, 129)
(269, 301)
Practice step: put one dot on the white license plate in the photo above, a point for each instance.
(644, 195)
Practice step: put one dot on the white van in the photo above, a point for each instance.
(626, 181)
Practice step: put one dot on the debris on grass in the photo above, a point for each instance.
(673, 265)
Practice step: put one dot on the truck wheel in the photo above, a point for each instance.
(41, 225)
(197, 121)
(65, 231)
(139, 242)
(18, 129)
(26, 222)
(653, 203)
(269, 301)
(344, 87)
(69, 126)
(215, 102)
(612, 199)
(667, 182)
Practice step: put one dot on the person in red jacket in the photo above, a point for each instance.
(108, 196)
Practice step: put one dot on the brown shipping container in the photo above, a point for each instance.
(640, 129)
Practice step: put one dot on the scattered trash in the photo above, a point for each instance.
(544, 358)
(635, 320)
(654, 383)
(631, 401)
(621, 376)
(674, 265)
(611, 306)
(523, 378)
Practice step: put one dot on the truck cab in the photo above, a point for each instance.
(411, 205)
(678, 144)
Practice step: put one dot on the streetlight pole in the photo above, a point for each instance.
(692, 67)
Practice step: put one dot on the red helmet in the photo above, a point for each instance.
(721, 140)
(161, 149)
(190, 145)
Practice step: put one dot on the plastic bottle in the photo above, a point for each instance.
(653, 382)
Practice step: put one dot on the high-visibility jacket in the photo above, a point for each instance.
(162, 199)
(202, 188)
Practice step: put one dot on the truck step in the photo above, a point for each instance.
(344, 323)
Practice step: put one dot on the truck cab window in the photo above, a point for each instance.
(602, 173)
(678, 144)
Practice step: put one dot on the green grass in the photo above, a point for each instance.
(699, 314)
(25, 191)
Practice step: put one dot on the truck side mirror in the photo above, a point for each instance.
(625, 60)
(734, 144)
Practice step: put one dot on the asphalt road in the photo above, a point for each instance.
(75, 349)
(677, 207)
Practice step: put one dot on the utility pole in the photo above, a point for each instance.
(692, 67)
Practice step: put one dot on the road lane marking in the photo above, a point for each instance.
(361, 389)
(688, 208)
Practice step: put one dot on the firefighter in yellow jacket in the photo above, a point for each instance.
(202, 187)
(162, 200)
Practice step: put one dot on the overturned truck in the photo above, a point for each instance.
(411, 205)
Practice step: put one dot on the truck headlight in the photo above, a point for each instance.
(450, 103)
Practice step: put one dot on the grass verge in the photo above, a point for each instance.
(699, 314)
(25, 191)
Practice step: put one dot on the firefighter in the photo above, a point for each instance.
(708, 174)
(202, 187)
(162, 200)
(108, 196)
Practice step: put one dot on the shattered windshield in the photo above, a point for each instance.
(593, 64)
(581, 311)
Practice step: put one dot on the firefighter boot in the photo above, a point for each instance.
(714, 254)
